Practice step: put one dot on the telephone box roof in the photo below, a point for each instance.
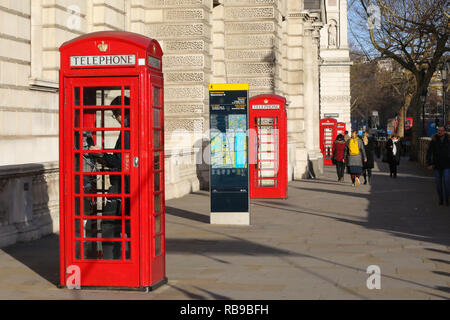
(132, 38)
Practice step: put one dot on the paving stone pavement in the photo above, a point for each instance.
(317, 244)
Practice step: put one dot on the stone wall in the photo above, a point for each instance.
(184, 31)
(266, 43)
(29, 202)
(335, 65)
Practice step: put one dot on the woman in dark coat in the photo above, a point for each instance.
(393, 151)
(338, 156)
(369, 147)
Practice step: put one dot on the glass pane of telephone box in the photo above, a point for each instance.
(102, 250)
(156, 95)
(156, 160)
(77, 228)
(157, 203)
(126, 94)
(102, 206)
(156, 118)
(102, 228)
(127, 250)
(157, 181)
(102, 96)
(105, 139)
(157, 224)
(157, 138)
(76, 96)
(77, 206)
(77, 184)
(106, 118)
(102, 184)
(77, 119)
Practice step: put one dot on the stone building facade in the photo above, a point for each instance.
(335, 64)
(274, 45)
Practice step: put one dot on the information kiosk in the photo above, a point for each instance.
(328, 127)
(229, 188)
(268, 146)
(112, 230)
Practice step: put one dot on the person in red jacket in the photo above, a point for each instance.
(338, 156)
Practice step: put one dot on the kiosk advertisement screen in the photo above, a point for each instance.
(228, 143)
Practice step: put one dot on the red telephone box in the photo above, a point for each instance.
(112, 222)
(340, 128)
(328, 129)
(268, 146)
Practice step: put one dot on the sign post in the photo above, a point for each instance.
(229, 178)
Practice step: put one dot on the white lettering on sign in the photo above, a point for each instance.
(112, 60)
(266, 106)
(154, 63)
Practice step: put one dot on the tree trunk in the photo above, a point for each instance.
(401, 121)
(402, 115)
(416, 105)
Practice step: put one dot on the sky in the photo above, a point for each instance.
(358, 28)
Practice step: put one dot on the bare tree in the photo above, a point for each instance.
(415, 34)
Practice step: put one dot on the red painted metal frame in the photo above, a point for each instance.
(145, 269)
(327, 149)
(279, 190)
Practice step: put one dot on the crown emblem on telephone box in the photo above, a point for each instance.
(102, 47)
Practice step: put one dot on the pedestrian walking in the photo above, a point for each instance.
(393, 152)
(438, 159)
(355, 157)
(338, 156)
(369, 148)
(346, 136)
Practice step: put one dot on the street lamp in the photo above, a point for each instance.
(423, 98)
(444, 70)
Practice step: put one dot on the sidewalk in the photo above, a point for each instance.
(317, 244)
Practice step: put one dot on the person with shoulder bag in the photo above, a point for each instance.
(393, 152)
(369, 148)
(438, 159)
(338, 156)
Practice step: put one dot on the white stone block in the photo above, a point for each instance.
(8, 73)
(154, 15)
(230, 218)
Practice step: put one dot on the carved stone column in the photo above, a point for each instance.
(308, 80)
(251, 43)
(315, 151)
(184, 30)
(294, 89)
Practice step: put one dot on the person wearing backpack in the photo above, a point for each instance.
(355, 157)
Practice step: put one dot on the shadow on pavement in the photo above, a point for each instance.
(408, 206)
(222, 246)
(405, 207)
(187, 214)
(41, 256)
